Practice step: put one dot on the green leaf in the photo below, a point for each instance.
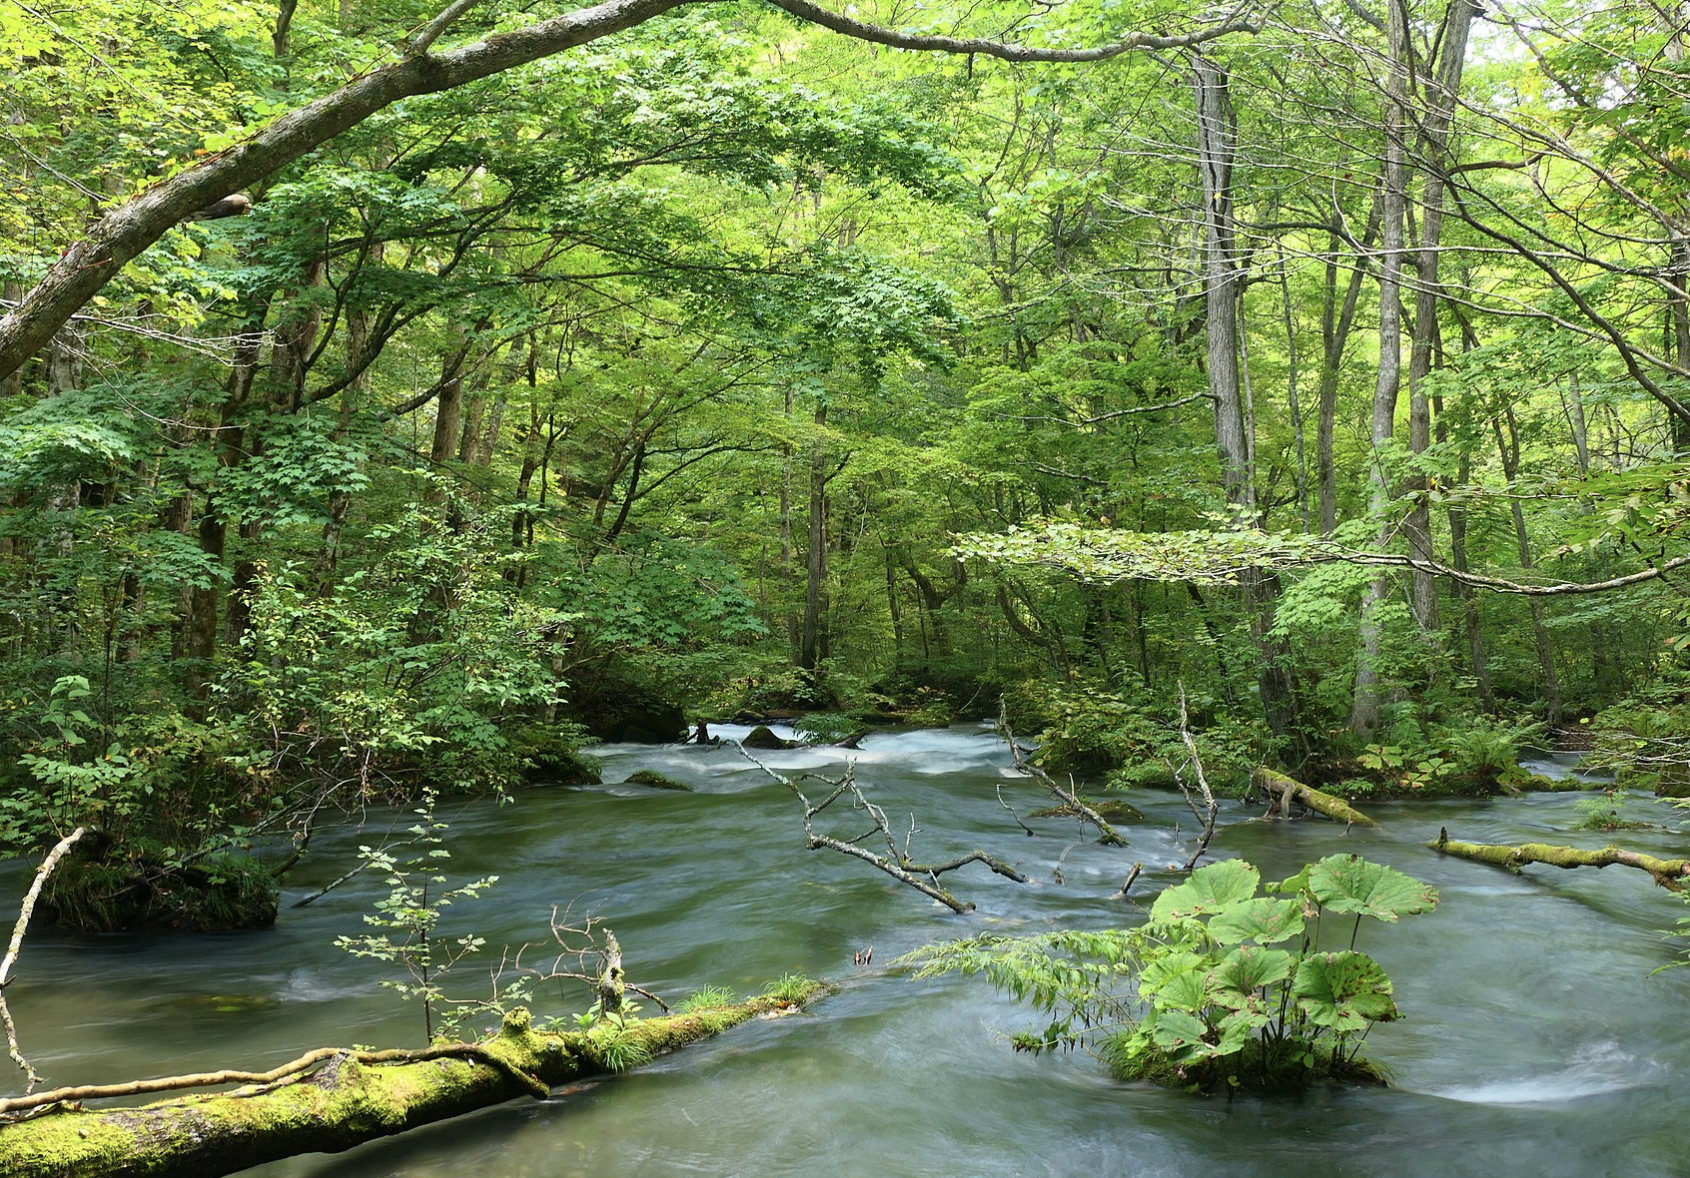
(1162, 971)
(1246, 970)
(1184, 991)
(1210, 889)
(1263, 920)
(1343, 991)
(1180, 1035)
(1349, 883)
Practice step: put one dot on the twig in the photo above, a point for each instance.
(1056, 872)
(329, 887)
(51, 861)
(1012, 813)
(1107, 834)
(431, 32)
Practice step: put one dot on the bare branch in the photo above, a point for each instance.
(16, 946)
(898, 864)
(1107, 834)
(438, 25)
(1210, 808)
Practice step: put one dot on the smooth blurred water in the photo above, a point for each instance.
(1537, 1042)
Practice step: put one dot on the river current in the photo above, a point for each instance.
(1537, 1039)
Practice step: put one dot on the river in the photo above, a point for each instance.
(1536, 1040)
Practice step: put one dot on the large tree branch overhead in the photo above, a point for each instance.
(122, 234)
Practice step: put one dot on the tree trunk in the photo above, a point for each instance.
(1435, 138)
(1288, 791)
(1510, 451)
(1336, 323)
(1216, 130)
(1668, 873)
(1369, 686)
(812, 651)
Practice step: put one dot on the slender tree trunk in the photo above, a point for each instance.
(1435, 132)
(1369, 686)
(1336, 322)
(1509, 446)
(1216, 130)
(812, 649)
(787, 553)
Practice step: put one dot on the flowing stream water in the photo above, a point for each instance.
(1536, 1041)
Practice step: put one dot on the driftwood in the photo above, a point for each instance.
(331, 1099)
(1668, 873)
(1283, 791)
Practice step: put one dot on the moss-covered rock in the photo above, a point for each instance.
(122, 887)
(761, 737)
(655, 780)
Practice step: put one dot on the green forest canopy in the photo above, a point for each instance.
(601, 370)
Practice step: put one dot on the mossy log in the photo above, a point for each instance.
(1668, 873)
(1284, 790)
(350, 1098)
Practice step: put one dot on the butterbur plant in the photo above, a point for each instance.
(1228, 985)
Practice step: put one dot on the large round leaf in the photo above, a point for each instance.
(1344, 991)
(1180, 1035)
(1244, 972)
(1349, 883)
(1210, 889)
(1263, 920)
(1175, 979)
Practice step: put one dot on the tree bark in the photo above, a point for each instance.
(812, 650)
(1435, 138)
(1216, 134)
(1510, 453)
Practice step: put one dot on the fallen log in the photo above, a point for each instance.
(337, 1099)
(1668, 873)
(1283, 790)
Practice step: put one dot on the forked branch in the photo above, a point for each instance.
(897, 863)
(1069, 797)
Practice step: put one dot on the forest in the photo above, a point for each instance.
(397, 402)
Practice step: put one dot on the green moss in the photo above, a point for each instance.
(120, 887)
(1108, 810)
(655, 780)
